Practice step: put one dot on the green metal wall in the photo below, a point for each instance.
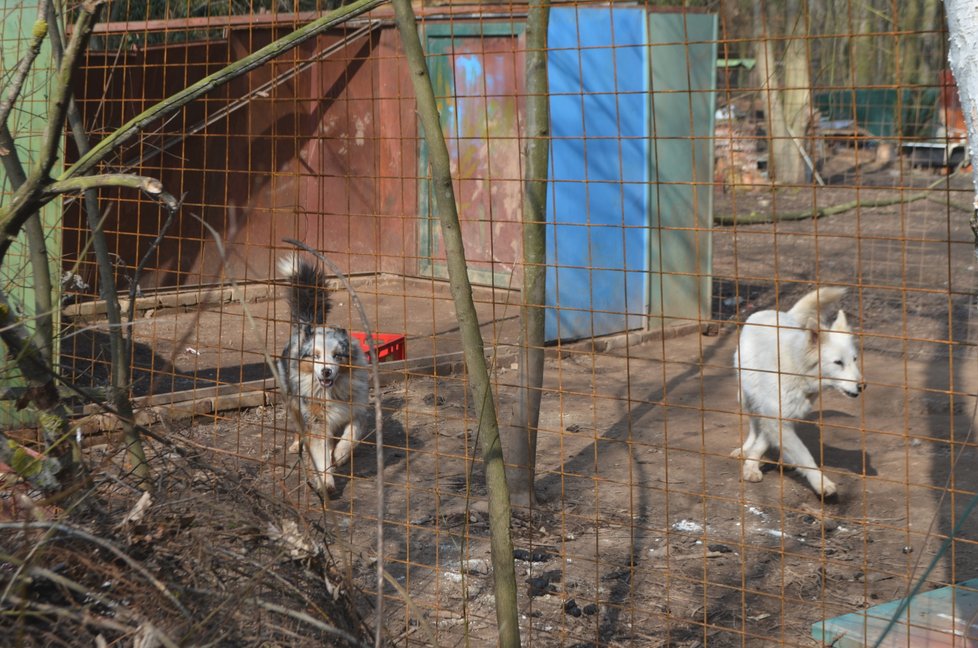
(27, 123)
(683, 53)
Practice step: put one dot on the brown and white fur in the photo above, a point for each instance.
(784, 360)
(324, 372)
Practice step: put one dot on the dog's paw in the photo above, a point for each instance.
(342, 452)
(829, 489)
(752, 473)
(821, 484)
(326, 485)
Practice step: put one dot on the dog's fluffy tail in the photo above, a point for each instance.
(308, 294)
(812, 308)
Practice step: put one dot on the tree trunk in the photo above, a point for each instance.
(962, 23)
(770, 96)
(787, 98)
(862, 48)
(500, 540)
(796, 100)
(520, 437)
(928, 42)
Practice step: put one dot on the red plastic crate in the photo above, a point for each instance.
(390, 346)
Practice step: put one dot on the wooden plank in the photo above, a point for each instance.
(249, 292)
(255, 393)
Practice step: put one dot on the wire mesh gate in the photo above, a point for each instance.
(707, 164)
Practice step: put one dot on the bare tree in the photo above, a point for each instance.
(787, 94)
(520, 436)
(500, 515)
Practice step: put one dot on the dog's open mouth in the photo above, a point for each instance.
(326, 382)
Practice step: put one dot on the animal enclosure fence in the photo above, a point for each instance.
(682, 199)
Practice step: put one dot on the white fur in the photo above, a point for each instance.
(333, 393)
(784, 360)
(287, 265)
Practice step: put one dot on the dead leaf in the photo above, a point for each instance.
(136, 513)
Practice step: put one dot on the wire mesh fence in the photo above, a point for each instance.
(708, 164)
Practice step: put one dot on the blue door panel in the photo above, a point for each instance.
(597, 204)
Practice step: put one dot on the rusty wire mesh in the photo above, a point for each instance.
(677, 209)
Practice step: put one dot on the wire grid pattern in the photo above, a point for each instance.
(645, 534)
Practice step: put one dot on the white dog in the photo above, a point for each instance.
(324, 371)
(784, 360)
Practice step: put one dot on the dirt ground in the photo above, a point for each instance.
(644, 534)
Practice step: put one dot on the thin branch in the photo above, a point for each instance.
(79, 618)
(105, 544)
(308, 620)
(138, 271)
(248, 98)
(10, 159)
(150, 186)
(117, 608)
(522, 439)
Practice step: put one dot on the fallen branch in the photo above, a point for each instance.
(758, 218)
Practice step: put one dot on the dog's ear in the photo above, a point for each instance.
(841, 324)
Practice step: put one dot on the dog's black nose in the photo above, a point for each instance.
(327, 373)
(861, 387)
